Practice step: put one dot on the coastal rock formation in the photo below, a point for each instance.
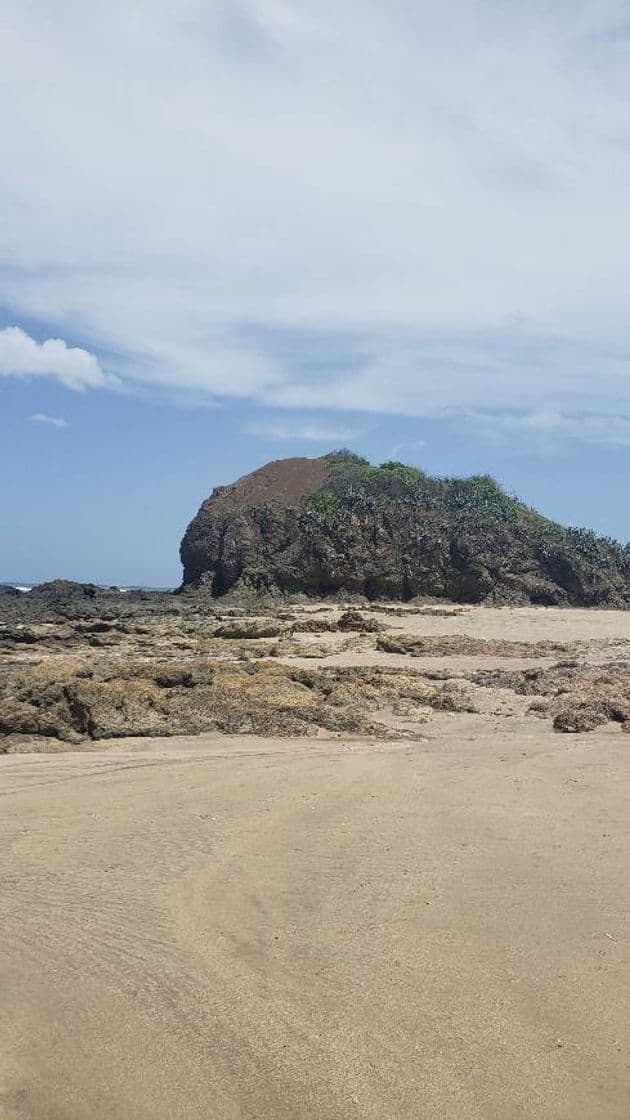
(338, 525)
(65, 589)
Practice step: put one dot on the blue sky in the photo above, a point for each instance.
(255, 228)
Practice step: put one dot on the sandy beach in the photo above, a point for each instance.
(232, 926)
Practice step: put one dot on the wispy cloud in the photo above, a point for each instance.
(22, 356)
(325, 203)
(552, 428)
(317, 433)
(409, 445)
(44, 418)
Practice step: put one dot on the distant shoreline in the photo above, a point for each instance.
(25, 586)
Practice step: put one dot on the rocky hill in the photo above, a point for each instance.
(338, 524)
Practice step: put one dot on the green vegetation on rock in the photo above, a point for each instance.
(353, 481)
(324, 504)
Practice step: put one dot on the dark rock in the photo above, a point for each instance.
(576, 720)
(65, 588)
(315, 626)
(96, 627)
(18, 635)
(335, 525)
(175, 678)
(354, 620)
(251, 628)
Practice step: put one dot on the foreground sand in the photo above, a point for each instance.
(219, 927)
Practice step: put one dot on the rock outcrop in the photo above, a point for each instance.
(65, 589)
(337, 524)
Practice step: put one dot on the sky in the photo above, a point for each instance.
(234, 231)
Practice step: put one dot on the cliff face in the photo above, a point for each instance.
(337, 524)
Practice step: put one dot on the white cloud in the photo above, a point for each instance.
(44, 418)
(324, 203)
(22, 356)
(318, 433)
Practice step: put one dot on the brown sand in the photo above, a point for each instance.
(213, 928)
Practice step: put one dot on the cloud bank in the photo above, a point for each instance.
(405, 207)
